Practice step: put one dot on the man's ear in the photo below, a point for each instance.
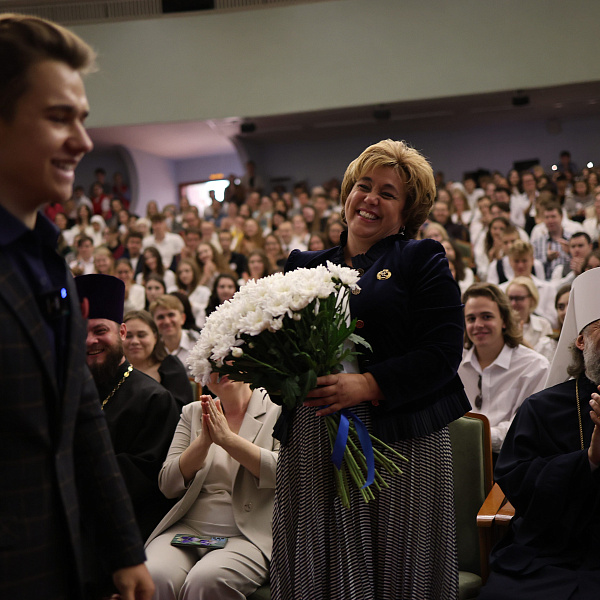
(123, 331)
(579, 342)
(85, 308)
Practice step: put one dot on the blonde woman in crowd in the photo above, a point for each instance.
(434, 231)
(459, 207)
(135, 294)
(524, 299)
(252, 238)
(104, 263)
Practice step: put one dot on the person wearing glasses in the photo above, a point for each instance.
(524, 298)
(497, 370)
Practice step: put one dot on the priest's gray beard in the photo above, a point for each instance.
(591, 359)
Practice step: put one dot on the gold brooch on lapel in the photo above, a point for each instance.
(385, 274)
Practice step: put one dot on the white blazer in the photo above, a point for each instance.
(252, 498)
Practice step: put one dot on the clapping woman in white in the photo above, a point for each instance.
(221, 464)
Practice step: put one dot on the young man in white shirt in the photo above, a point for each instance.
(169, 315)
(580, 247)
(498, 372)
(167, 243)
(550, 238)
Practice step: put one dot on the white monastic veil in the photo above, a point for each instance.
(583, 309)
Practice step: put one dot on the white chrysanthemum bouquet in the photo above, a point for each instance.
(281, 333)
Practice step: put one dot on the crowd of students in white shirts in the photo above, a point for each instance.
(530, 234)
(515, 244)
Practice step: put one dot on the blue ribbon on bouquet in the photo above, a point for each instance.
(364, 438)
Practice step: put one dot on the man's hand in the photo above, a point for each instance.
(133, 583)
(594, 449)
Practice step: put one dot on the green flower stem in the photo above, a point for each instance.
(354, 464)
(389, 465)
(346, 496)
(340, 474)
(394, 452)
(383, 460)
(248, 356)
(354, 469)
(360, 457)
(341, 489)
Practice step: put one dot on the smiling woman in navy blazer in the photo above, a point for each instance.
(406, 392)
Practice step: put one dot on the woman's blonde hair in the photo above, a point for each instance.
(527, 282)
(413, 169)
(433, 226)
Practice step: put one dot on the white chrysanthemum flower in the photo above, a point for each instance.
(346, 275)
(254, 322)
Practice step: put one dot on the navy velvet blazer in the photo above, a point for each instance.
(409, 310)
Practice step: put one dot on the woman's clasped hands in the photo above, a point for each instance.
(214, 422)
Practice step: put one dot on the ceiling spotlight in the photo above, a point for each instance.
(590, 165)
(520, 99)
(382, 114)
(555, 167)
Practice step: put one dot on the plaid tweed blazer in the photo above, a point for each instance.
(55, 456)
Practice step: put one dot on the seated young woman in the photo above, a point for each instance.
(146, 352)
(135, 294)
(153, 265)
(224, 288)
(188, 281)
(221, 464)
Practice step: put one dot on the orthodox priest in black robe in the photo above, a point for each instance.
(549, 470)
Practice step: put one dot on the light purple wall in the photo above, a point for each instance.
(453, 151)
(156, 180)
(201, 168)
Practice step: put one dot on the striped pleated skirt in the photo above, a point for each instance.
(400, 546)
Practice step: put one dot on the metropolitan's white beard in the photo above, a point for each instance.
(591, 360)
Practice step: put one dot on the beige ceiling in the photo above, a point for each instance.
(214, 137)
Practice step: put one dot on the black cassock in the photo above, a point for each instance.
(142, 417)
(553, 548)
